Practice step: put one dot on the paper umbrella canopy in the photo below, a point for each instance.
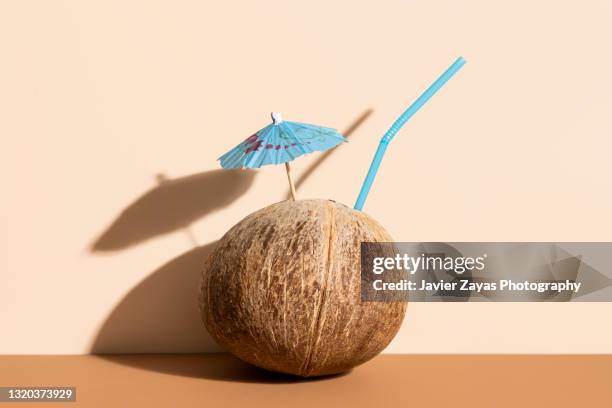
(280, 142)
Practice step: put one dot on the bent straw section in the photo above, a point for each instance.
(397, 125)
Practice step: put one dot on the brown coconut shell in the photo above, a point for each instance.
(281, 290)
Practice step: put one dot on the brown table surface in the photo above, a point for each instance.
(219, 380)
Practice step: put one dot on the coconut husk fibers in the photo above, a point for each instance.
(281, 290)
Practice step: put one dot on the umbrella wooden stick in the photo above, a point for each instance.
(291, 185)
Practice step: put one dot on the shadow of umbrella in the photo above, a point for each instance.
(173, 205)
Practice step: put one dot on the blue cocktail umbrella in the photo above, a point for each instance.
(280, 142)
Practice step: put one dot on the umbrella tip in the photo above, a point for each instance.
(276, 118)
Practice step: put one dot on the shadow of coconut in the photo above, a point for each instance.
(210, 366)
(161, 315)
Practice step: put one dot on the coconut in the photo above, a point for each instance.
(281, 290)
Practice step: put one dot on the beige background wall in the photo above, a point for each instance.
(99, 97)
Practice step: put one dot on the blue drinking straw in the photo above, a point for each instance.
(397, 125)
